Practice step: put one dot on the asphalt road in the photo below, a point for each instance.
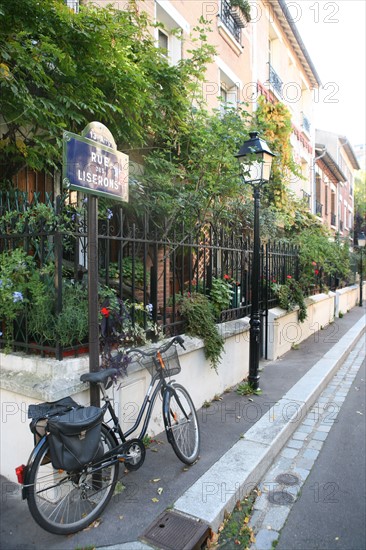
(330, 513)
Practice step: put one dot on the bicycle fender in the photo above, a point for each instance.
(168, 390)
(30, 462)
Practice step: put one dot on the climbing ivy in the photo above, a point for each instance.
(273, 121)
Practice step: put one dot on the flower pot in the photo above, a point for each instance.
(239, 17)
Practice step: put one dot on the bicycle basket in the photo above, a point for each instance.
(170, 365)
(75, 438)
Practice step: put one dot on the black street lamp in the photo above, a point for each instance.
(361, 245)
(255, 160)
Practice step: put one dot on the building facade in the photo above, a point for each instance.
(335, 168)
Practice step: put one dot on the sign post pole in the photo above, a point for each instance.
(93, 294)
(93, 165)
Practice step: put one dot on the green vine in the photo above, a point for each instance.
(198, 313)
(273, 122)
(290, 295)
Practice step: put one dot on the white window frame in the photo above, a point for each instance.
(171, 19)
(229, 82)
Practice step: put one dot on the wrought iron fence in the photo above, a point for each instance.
(149, 272)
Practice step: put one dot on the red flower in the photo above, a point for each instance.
(289, 277)
(316, 271)
(227, 277)
(313, 263)
(105, 311)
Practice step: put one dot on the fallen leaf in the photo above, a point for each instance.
(121, 517)
(119, 488)
(359, 412)
(155, 480)
(250, 399)
(96, 523)
(154, 450)
(160, 490)
(246, 519)
(155, 499)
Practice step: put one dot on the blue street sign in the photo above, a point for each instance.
(92, 166)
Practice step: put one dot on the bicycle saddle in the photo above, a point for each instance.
(98, 377)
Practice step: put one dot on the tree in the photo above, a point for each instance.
(360, 203)
(196, 178)
(60, 70)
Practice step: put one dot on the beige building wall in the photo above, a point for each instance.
(266, 57)
(345, 160)
(228, 75)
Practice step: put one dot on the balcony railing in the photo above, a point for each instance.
(333, 219)
(318, 208)
(228, 20)
(275, 80)
(306, 197)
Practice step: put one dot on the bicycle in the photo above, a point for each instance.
(65, 501)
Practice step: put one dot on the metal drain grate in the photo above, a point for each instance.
(280, 497)
(287, 479)
(172, 531)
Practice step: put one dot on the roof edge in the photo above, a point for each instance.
(283, 14)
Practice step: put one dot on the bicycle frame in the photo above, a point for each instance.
(148, 402)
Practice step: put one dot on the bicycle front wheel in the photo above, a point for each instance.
(181, 423)
(65, 502)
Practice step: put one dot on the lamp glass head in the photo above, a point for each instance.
(255, 158)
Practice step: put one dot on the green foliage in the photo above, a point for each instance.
(360, 202)
(198, 313)
(290, 295)
(60, 70)
(319, 253)
(246, 389)
(273, 121)
(235, 531)
(14, 278)
(244, 6)
(129, 266)
(195, 177)
(221, 294)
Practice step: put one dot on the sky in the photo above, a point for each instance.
(334, 36)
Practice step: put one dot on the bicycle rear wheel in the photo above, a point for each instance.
(181, 423)
(65, 502)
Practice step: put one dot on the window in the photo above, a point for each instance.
(163, 41)
(229, 86)
(73, 5)
(174, 25)
(228, 97)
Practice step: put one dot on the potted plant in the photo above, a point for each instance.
(240, 12)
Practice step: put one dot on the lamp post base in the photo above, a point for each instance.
(254, 350)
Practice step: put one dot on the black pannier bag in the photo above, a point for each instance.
(41, 412)
(75, 438)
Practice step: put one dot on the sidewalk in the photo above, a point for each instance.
(241, 436)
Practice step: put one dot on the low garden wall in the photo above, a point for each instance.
(25, 380)
(285, 330)
(347, 298)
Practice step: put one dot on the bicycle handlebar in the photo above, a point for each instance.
(177, 339)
